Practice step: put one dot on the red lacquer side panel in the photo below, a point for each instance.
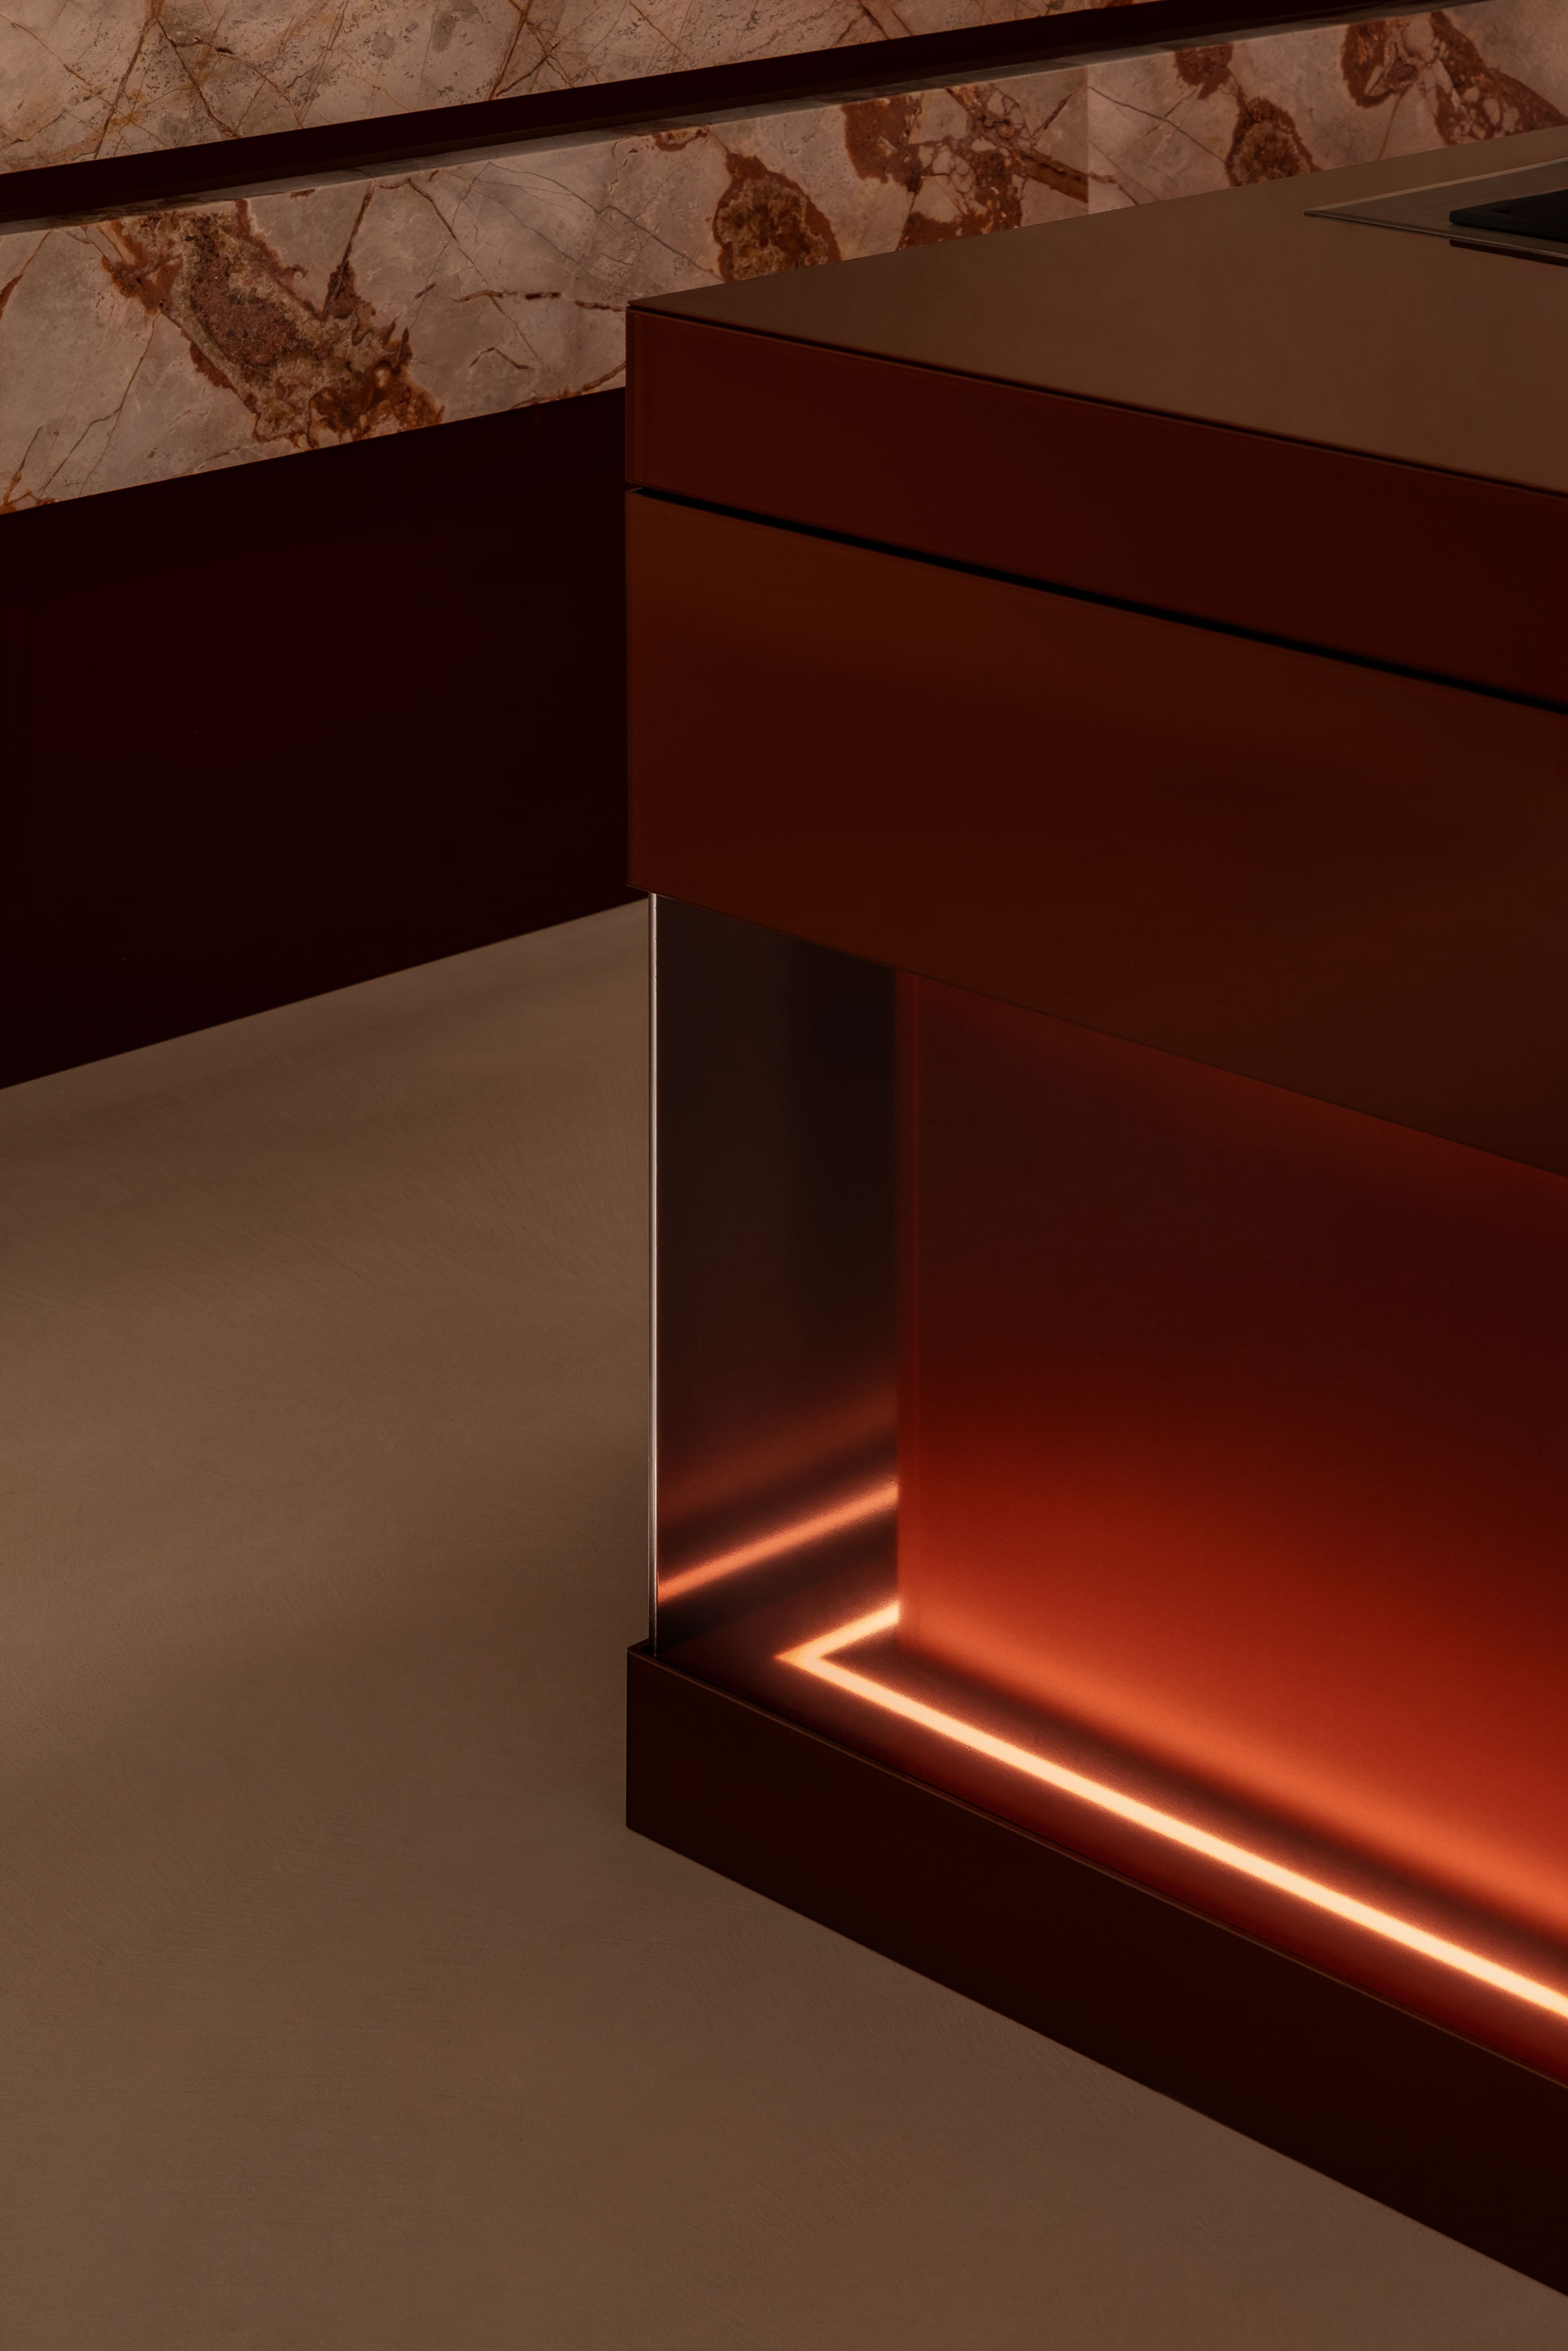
(1235, 1427)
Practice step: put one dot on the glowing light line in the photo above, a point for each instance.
(819, 1656)
(872, 1504)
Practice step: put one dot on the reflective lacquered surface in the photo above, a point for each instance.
(1238, 1429)
(1309, 870)
(1224, 408)
(774, 1250)
(1223, 1540)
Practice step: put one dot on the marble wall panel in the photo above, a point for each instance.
(183, 340)
(81, 78)
(173, 343)
(1264, 109)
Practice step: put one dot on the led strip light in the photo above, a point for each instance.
(873, 1503)
(820, 1658)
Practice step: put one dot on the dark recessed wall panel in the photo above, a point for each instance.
(274, 730)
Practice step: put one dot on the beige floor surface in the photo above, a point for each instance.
(337, 2008)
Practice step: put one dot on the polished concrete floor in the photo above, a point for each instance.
(337, 2008)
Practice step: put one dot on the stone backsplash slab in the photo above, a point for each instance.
(183, 340)
(218, 335)
(86, 79)
(1178, 124)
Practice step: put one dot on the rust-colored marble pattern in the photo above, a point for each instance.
(1264, 109)
(88, 77)
(185, 340)
(134, 349)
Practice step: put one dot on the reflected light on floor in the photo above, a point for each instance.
(819, 1657)
(874, 1502)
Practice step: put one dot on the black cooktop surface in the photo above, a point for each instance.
(1543, 216)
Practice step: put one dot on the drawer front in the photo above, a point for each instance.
(1331, 877)
(1244, 529)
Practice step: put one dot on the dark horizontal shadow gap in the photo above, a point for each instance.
(1226, 627)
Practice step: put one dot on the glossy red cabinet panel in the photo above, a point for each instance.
(1233, 1426)
(1112, 1541)
(1170, 1464)
(1326, 547)
(1308, 871)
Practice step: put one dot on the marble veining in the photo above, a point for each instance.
(1174, 125)
(187, 340)
(81, 78)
